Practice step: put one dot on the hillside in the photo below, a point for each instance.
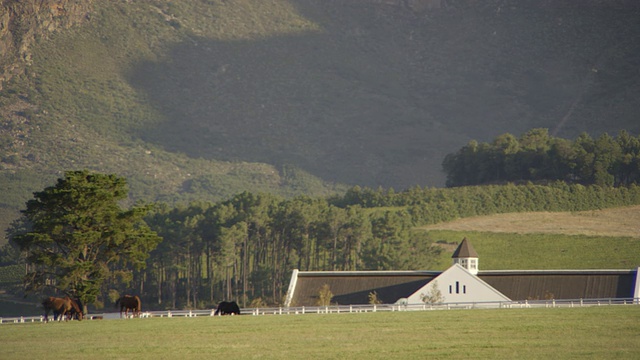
(197, 100)
(615, 222)
(599, 239)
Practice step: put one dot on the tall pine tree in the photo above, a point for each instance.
(77, 236)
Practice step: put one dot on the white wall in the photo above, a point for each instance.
(458, 285)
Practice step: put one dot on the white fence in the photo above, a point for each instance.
(342, 309)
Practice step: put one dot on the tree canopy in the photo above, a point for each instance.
(538, 157)
(245, 248)
(75, 235)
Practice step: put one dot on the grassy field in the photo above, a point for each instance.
(602, 239)
(609, 332)
(615, 222)
(504, 251)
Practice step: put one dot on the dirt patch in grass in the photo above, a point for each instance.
(623, 222)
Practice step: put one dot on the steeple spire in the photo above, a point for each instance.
(466, 256)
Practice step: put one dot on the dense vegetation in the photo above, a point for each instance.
(74, 236)
(245, 248)
(240, 118)
(537, 156)
(200, 100)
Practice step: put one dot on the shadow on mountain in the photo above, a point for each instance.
(382, 94)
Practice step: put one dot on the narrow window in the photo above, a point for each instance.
(464, 289)
(457, 287)
(450, 289)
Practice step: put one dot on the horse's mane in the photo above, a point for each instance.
(75, 306)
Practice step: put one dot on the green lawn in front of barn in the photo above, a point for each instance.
(607, 332)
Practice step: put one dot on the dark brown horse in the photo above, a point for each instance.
(61, 307)
(129, 302)
(228, 308)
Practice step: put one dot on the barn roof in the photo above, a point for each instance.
(465, 250)
(562, 284)
(354, 287)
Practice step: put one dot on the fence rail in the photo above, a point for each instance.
(364, 308)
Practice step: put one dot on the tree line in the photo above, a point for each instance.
(76, 239)
(538, 157)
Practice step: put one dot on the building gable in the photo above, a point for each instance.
(457, 285)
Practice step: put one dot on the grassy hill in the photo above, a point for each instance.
(198, 100)
(602, 239)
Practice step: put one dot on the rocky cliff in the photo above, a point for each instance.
(23, 22)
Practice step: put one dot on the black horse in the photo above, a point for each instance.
(129, 302)
(227, 308)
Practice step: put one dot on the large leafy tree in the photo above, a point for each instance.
(75, 235)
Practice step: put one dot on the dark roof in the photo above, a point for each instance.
(562, 284)
(354, 287)
(464, 250)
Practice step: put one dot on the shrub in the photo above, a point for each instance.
(325, 295)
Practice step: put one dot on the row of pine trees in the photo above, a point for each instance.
(245, 248)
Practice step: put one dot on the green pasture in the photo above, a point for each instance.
(608, 332)
(507, 251)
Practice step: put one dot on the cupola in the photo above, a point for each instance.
(466, 257)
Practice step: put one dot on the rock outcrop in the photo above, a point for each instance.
(22, 22)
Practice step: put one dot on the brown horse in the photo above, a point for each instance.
(61, 307)
(129, 302)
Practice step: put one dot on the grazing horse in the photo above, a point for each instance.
(61, 307)
(129, 302)
(227, 308)
(76, 310)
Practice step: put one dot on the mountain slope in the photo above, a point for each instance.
(201, 99)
